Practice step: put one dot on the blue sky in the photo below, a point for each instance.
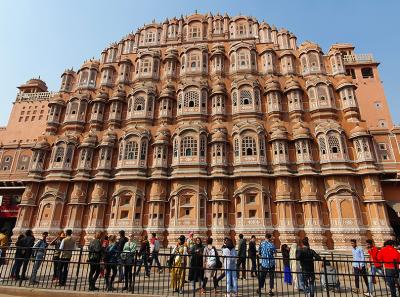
(44, 37)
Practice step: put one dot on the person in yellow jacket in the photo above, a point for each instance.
(3, 245)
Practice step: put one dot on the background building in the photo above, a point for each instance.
(218, 125)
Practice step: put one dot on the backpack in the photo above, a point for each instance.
(217, 259)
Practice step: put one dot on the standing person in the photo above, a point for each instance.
(18, 258)
(242, 253)
(120, 245)
(222, 275)
(196, 272)
(154, 250)
(190, 241)
(95, 255)
(66, 247)
(144, 252)
(286, 264)
(358, 266)
(229, 253)
(27, 243)
(306, 256)
(267, 253)
(211, 263)
(128, 257)
(177, 263)
(253, 255)
(297, 278)
(3, 245)
(388, 256)
(104, 245)
(56, 254)
(375, 266)
(111, 261)
(39, 252)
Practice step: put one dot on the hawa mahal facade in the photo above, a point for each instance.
(214, 124)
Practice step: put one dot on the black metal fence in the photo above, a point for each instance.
(337, 279)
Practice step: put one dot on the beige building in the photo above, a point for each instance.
(218, 125)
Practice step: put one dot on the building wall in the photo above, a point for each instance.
(215, 125)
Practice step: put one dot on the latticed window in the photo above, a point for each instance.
(188, 146)
(241, 30)
(322, 145)
(262, 146)
(244, 59)
(343, 143)
(334, 145)
(365, 145)
(358, 146)
(59, 155)
(145, 66)
(192, 99)
(68, 156)
(236, 147)
(194, 32)
(131, 150)
(202, 147)
(249, 146)
(139, 103)
(150, 37)
(257, 96)
(234, 99)
(245, 97)
(143, 150)
(121, 151)
(176, 148)
(194, 61)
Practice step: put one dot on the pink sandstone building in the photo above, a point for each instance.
(213, 124)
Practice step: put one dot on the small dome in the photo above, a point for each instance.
(168, 90)
(278, 131)
(308, 45)
(218, 125)
(291, 84)
(41, 145)
(218, 135)
(300, 131)
(101, 96)
(358, 131)
(272, 84)
(218, 88)
(89, 139)
(344, 82)
(119, 93)
(108, 137)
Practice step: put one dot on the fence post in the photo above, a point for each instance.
(134, 273)
(258, 276)
(78, 268)
(326, 277)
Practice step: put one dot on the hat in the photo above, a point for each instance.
(182, 238)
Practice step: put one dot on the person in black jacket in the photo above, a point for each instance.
(18, 258)
(95, 256)
(144, 252)
(242, 251)
(306, 256)
(253, 256)
(222, 275)
(26, 244)
(196, 271)
(120, 246)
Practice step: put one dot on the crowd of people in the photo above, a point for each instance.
(196, 262)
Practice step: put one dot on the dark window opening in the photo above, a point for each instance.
(367, 72)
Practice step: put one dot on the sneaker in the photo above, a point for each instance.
(228, 295)
(368, 294)
(271, 293)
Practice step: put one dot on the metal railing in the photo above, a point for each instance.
(76, 273)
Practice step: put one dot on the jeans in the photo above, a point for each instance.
(391, 278)
(263, 275)
(120, 270)
(128, 275)
(36, 266)
(231, 281)
(145, 261)
(309, 283)
(16, 267)
(154, 257)
(110, 280)
(93, 274)
(25, 263)
(374, 271)
(64, 264)
(56, 266)
(241, 262)
(253, 264)
(363, 272)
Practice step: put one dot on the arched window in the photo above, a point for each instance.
(322, 145)
(191, 99)
(131, 150)
(188, 146)
(236, 147)
(139, 104)
(143, 150)
(202, 146)
(249, 146)
(334, 146)
(59, 155)
(234, 99)
(245, 97)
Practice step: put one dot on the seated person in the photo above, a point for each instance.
(331, 277)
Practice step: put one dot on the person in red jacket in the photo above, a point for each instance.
(375, 267)
(390, 258)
